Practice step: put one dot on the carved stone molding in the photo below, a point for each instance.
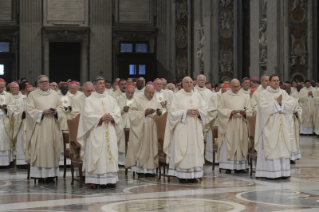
(262, 37)
(226, 38)
(298, 37)
(181, 36)
(181, 10)
(66, 35)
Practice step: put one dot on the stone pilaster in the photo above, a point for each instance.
(30, 39)
(101, 39)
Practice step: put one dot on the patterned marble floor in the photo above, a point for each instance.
(216, 192)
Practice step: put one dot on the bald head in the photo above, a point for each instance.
(149, 91)
(129, 92)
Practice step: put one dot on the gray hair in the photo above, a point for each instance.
(96, 79)
(185, 78)
(201, 75)
(234, 80)
(87, 83)
(41, 76)
(264, 75)
(171, 84)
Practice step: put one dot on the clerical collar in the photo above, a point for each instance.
(84, 95)
(233, 92)
(42, 91)
(158, 91)
(199, 88)
(270, 89)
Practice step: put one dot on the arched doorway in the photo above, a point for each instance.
(298, 77)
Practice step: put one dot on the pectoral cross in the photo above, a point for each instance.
(65, 102)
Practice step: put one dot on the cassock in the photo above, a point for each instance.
(98, 139)
(207, 96)
(142, 152)
(163, 96)
(308, 111)
(122, 102)
(16, 114)
(184, 139)
(6, 145)
(44, 135)
(232, 131)
(295, 120)
(272, 134)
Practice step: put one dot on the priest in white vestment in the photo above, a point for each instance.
(184, 137)
(6, 145)
(207, 96)
(108, 87)
(121, 90)
(296, 94)
(308, 109)
(295, 120)
(124, 102)
(13, 121)
(140, 84)
(171, 87)
(99, 124)
(245, 86)
(142, 153)
(293, 87)
(255, 98)
(273, 131)
(78, 102)
(44, 135)
(66, 99)
(232, 130)
(162, 96)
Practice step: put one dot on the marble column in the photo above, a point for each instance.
(30, 65)
(254, 37)
(165, 40)
(101, 39)
(215, 41)
(274, 38)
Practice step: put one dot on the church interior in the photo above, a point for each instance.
(171, 39)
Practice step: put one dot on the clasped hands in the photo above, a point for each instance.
(149, 111)
(164, 104)
(309, 93)
(279, 99)
(126, 108)
(107, 118)
(3, 107)
(241, 112)
(49, 112)
(192, 112)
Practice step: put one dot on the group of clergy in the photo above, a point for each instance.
(31, 126)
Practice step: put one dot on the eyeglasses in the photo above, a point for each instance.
(89, 91)
(275, 80)
(43, 82)
(54, 85)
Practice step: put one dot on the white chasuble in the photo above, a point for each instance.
(143, 144)
(6, 151)
(66, 100)
(273, 123)
(308, 110)
(184, 140)
(232, 130)
(295, 120)
(100, 140)
(77, 105)
(44, 135)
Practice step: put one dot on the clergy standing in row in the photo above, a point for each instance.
(232, 130)
(15, 113)
(100, 121)
(162, 96)
(6, 145)
(255, 97)
(273, 131)
(66, 100)
(207, 96)
(140, 84)
(44, 135)
(245, 86)
(308, 110)
(121, 90)
(142, 153)
(124, 102)
(78, 102)
(184, 139)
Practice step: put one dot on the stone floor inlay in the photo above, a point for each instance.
(215, 192)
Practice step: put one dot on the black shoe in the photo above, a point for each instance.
(285, 178)
(240, 171)
(278, 178)
(149, 175)
(182, 180)
(41, 180)
(140, 175)
(192, 181)
(50, 180)
(292, 162)
(111, 185)
(228, 171)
